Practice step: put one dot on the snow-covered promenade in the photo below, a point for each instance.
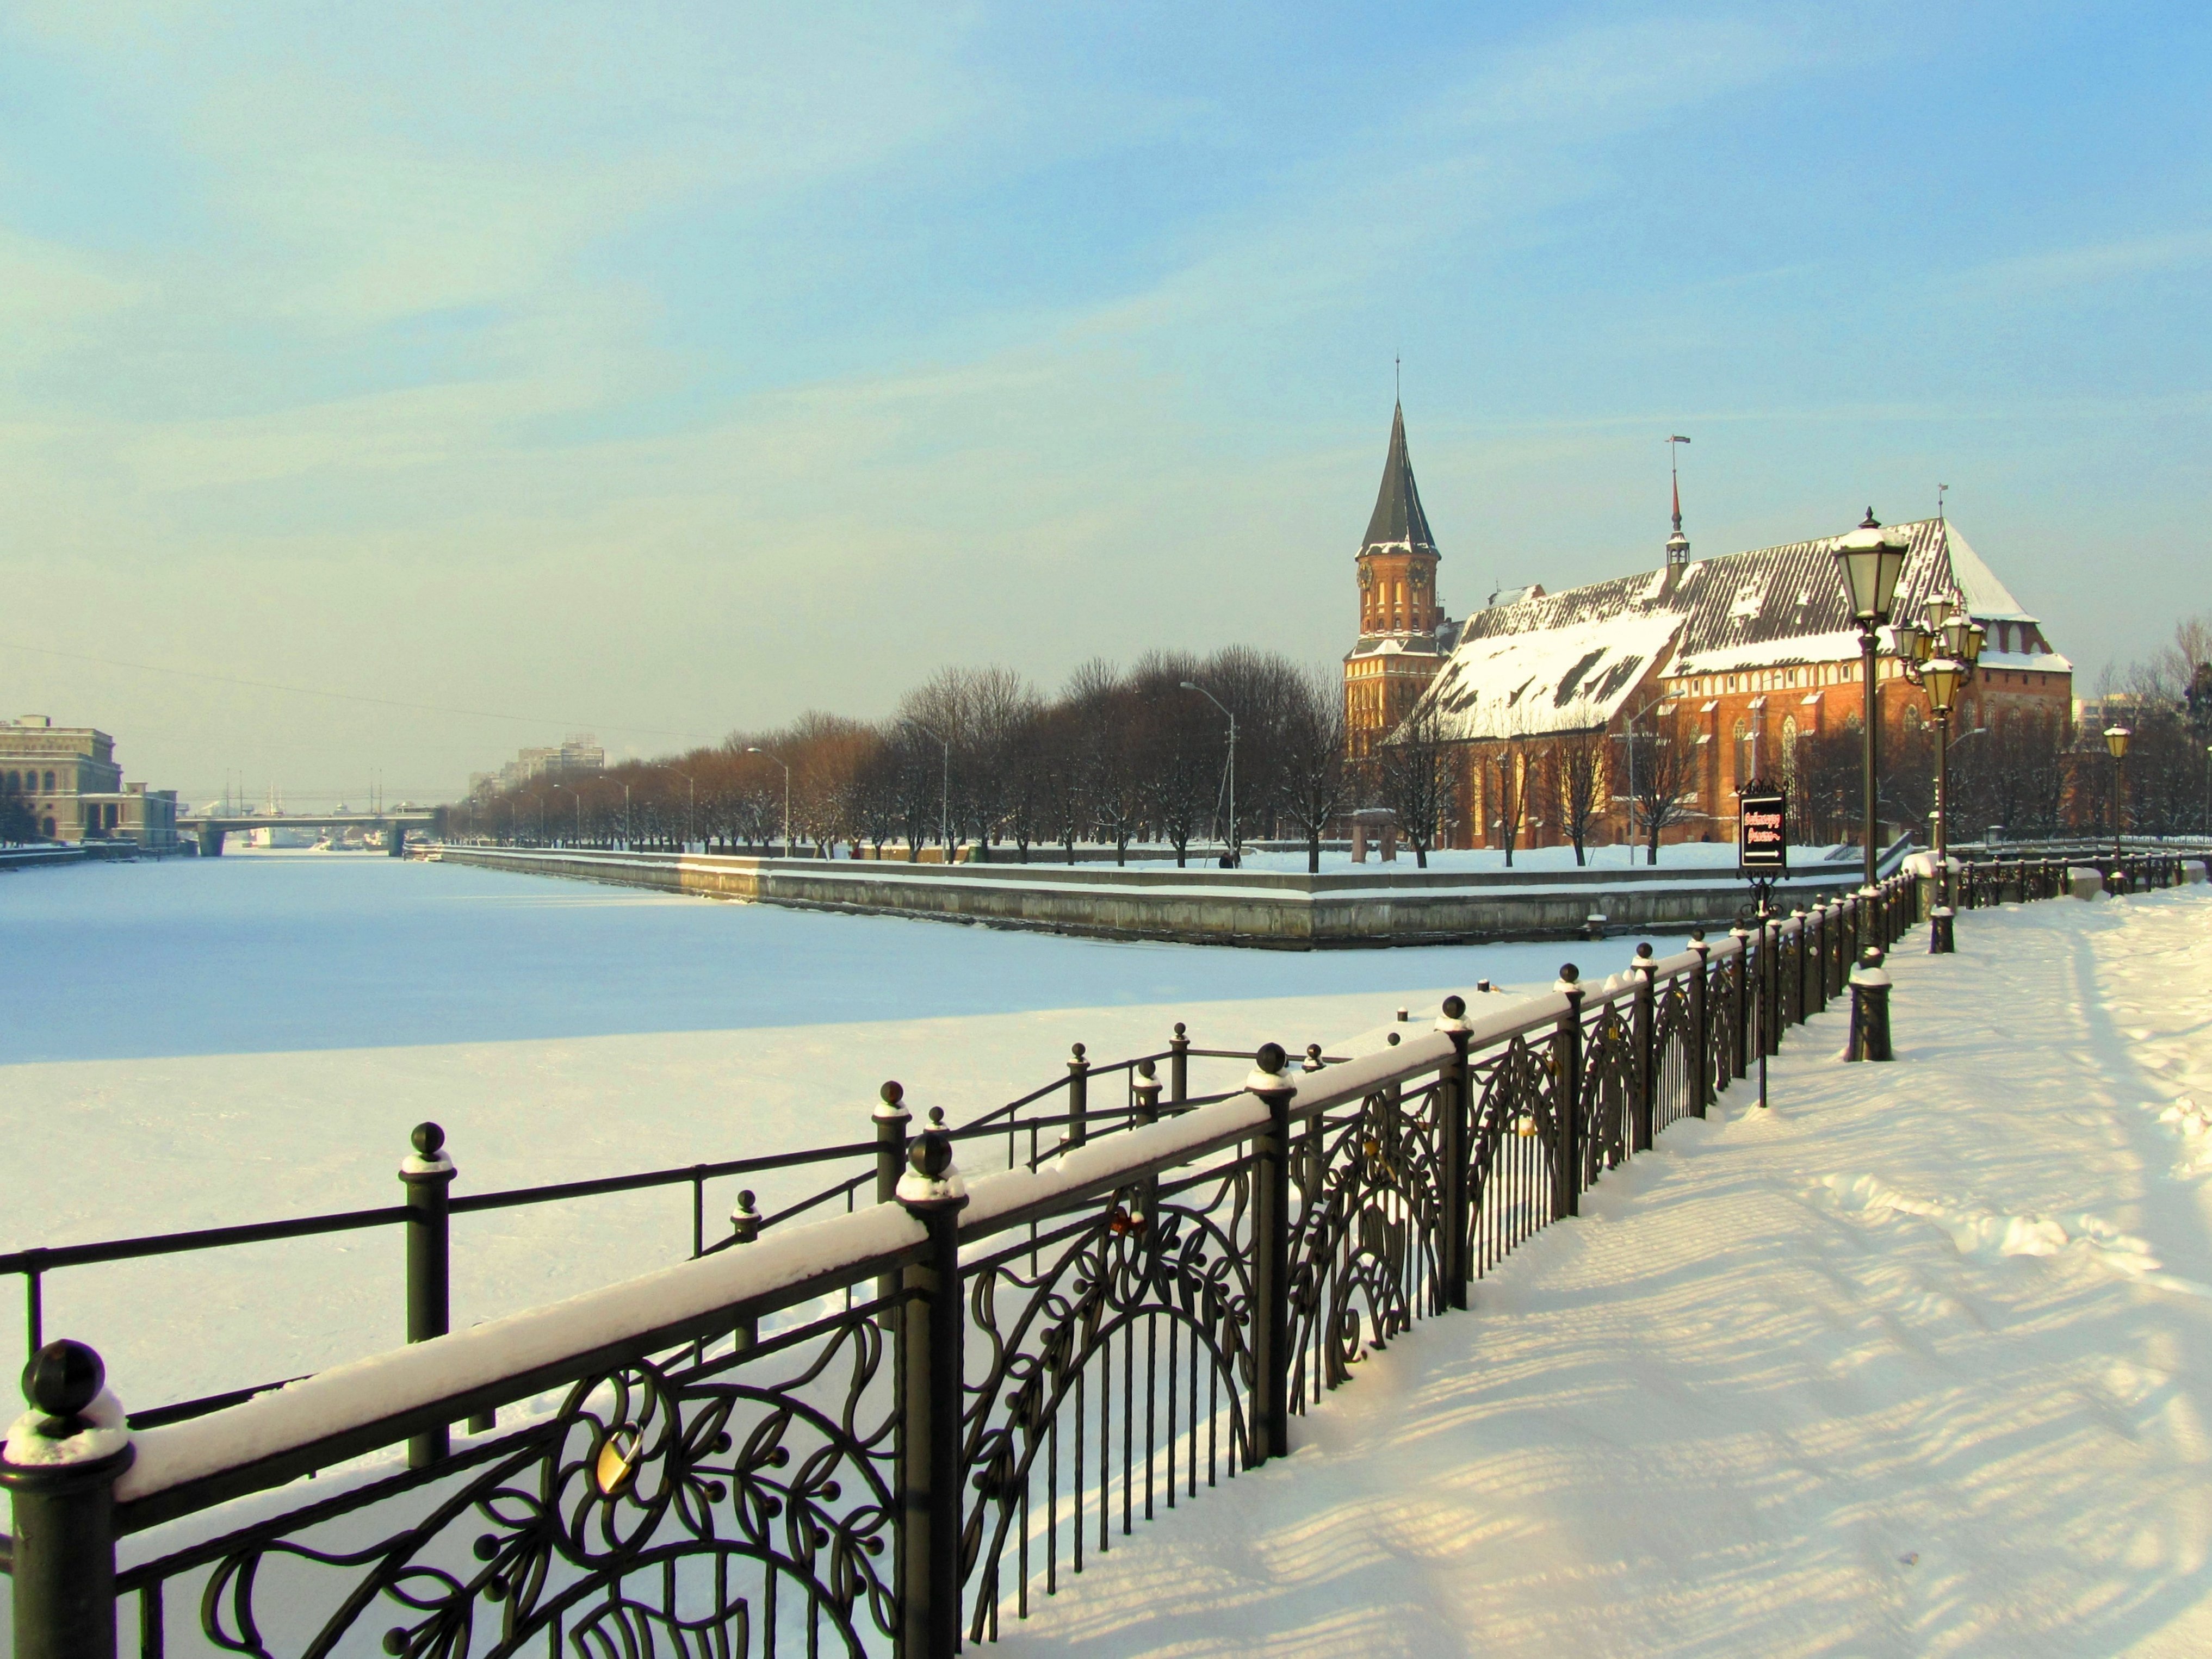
(1918, 1362)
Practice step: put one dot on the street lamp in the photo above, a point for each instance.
(754, 748)
(1938, 653)
(1870, 560)
(579, 794)
(944, 794)
(691, 809)
(1193, 685)
(2116, 743)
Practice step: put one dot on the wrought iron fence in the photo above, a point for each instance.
(889, 1430)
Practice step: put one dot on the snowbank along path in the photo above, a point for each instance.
(1917, 1362)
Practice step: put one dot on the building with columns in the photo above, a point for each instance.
(67, 782)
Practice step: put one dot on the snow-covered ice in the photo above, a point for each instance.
(251, 1037)
(1917, 1362)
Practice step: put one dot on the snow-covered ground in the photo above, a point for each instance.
(197, 1043)
(1917, 1362)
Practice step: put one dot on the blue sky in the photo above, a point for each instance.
(663, 370)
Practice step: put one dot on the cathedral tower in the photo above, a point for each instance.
(1404, 637)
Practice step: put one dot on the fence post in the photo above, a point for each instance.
(890, 1118)
(1147, 1098)
(1740, 1049)
(1642, 1113)
(60, 1473)
(744, 1229)
(1804, 922)
(428, 1174)
(1567, 1102)
(1078, 1099)
(1701, 1029)
(1869, 1038)
(1458, 1112)
(1271, 1263)
(1178, 1067)
(929, 1392)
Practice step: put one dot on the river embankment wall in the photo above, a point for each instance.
(1274, 908)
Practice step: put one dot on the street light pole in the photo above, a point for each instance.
(754, 748)
(1870, 560)
(1193, 685)
(691, 810)
(2116, 742)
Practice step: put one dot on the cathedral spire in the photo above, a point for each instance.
(1398, 520)
(1678, 544)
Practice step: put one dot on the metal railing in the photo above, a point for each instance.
(889, 1430)
(1026, 1125)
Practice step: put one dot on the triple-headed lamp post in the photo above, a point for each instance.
(1939, 654)
(1870, 559)
(2116, 743)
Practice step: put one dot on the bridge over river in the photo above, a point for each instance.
(211, 828)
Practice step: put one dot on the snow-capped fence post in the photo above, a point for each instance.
(428, 1174)
(1455, 1097)
(60, 1465)
(890, 1118)
(1701, 1032)
(929, 1361)
(1144, 1098)
(1802, 1009)
(1869, 1035)
(1816, 959)
(1567, 1101)
(1739, 1055)
(1271, 1257)
(744, 1229)
(1179, 1066)
(1078, 1099)
(1642, 1109)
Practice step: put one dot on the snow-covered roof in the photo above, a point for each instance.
(1559, 658)
(1569, 678)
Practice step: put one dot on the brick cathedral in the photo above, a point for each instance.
(1745, 655)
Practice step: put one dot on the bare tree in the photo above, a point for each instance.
(1576, 783)
(1316, 773)
(1662, 766)
(1415, 777)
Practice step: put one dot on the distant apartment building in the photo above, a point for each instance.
(66, 780)
(580, 752)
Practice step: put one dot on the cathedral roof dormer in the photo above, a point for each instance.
(1398, 520)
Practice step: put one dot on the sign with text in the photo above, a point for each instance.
(1763, 831)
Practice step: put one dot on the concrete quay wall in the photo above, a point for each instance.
(1288, 911)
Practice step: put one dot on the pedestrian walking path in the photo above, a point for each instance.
(1919, 1361)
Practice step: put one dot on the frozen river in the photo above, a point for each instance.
(196, 1044)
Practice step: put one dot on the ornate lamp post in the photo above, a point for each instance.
(2116, 743)
(1870, 560)
(1939, 654)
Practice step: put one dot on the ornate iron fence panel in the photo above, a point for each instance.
(1608, 1085)
(728, 1508)
(1057, 1322)
(1365, 1249)
(1676, 1062)
(1512, 1186)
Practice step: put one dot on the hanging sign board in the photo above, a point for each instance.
(1762, 831)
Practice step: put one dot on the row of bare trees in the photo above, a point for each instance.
(978, 759)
